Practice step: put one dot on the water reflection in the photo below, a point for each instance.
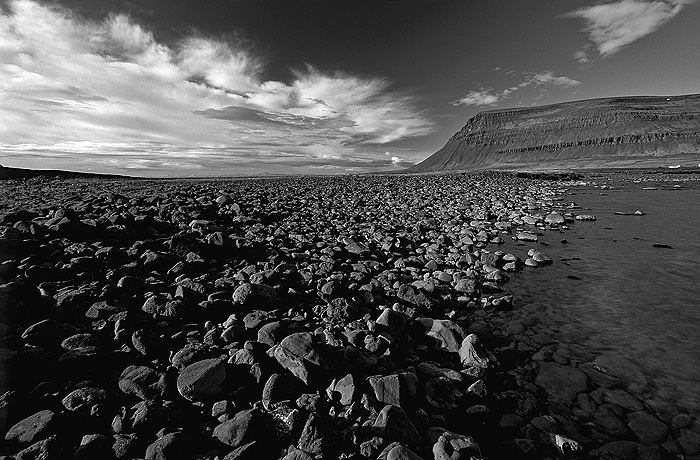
(610, 289)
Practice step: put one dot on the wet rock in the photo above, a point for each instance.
(629, 374)
(690, 442)
(606, 419)
(600, 375)
(562, 383)
(628, 450)
(647, 428)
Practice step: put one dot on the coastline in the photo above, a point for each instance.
(339, 311)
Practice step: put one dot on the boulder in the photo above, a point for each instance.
(393, 424)
(142, 381)
(562, 383)
(202, 380)
(32, 429)
(297, 353)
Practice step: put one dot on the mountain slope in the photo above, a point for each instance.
(21, 173)
(612, 132)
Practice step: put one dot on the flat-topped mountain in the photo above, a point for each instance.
(22, 173)
(644, 131)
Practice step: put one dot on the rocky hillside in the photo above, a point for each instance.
(597, 133)
(22, 173)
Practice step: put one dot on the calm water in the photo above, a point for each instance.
(629, 297)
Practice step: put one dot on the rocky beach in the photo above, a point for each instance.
(349, 317)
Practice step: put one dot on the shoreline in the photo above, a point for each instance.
(214, 310)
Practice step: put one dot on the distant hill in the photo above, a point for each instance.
(21, 173)
(619, 132)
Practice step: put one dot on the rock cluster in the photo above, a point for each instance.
(296, 318)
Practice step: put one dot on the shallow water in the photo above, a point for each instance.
(609, 289)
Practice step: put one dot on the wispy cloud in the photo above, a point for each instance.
(478, 98)
(613, 25)
(91, 90)
(489, 97)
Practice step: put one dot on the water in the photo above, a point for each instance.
(609, 289)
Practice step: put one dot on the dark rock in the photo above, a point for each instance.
(94, 446)
(647, 428)
(297, 353)
(33, 428)
(172, 446)
(246, 426)
(628, 450)
(279, 387)
(454, 446)
(46, 449)
(142, 381)
(316, 438)
(84, 398)
(202, 380)
(562, 383)
(393, 424)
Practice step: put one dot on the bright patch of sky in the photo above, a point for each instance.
(308, 86)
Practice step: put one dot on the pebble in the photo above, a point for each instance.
(298, 318)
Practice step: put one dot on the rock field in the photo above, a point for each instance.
(357, 317)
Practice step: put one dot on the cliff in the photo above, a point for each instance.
(598, 133)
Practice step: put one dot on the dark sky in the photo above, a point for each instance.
(226, 87)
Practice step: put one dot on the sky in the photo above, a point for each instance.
(185, 88)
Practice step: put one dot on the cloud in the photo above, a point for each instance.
(614, 25)
(489, 97)
(109, 84)
(478, 98)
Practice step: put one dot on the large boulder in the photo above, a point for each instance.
(142, 381)
(447, 334)
(297, 353)
(393, 424)
(31, 429)
(202, 380)
(562, 383)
